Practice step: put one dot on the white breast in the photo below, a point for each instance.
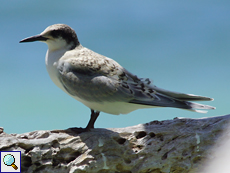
(52, 58)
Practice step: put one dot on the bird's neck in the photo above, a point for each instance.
(52, 56)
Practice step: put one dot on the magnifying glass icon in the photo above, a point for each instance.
(9, 160)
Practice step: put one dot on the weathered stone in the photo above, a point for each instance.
(171, 146)
(1, 130)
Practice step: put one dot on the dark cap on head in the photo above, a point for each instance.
(65, 32)
(56, 31)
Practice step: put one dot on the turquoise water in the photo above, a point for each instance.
(181, 45)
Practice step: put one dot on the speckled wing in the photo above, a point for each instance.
(94, 79)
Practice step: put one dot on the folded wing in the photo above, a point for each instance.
(106, 81)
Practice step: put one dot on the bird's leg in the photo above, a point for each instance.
(93, 118)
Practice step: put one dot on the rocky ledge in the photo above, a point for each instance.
(171, 146)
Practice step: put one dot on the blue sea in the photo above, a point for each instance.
(182, 46)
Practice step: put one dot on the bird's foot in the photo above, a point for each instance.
(78, 130)
(73, 130)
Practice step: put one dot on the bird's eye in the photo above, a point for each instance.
(55, 33)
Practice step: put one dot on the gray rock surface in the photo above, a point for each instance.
(171, 146)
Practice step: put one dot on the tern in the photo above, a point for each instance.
(101, 83)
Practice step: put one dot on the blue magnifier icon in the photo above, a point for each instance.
(9, 160)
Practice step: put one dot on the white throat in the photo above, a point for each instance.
(56, 44)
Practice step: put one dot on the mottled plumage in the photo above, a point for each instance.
(100, 82)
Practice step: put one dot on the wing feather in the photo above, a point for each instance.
(96, 83)
(101, 79)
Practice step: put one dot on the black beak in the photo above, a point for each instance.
(34, 38)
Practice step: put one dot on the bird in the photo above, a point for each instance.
(99, 82)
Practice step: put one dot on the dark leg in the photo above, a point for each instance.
(90, 125)
(92, 120)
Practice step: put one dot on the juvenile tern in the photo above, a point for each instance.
(101, 83)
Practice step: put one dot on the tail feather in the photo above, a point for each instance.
(164, 98)
(166, 101)
(181, 96)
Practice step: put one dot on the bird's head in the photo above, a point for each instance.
(57, 37)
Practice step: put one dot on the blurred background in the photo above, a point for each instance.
(182, 46)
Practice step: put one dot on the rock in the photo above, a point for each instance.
(1, 130)
(171, 146)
